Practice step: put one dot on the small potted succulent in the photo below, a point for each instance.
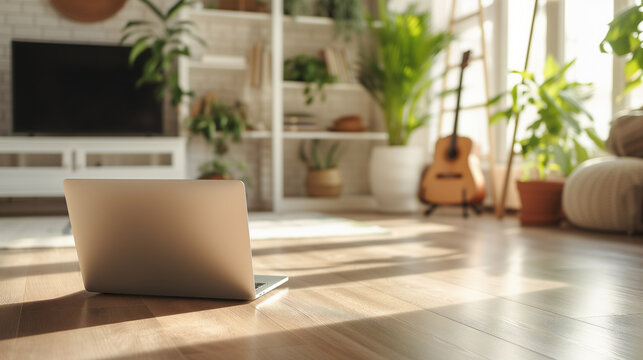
(554, 146)
(324, 177)
(219, 124)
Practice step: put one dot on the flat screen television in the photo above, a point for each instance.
(79, 89)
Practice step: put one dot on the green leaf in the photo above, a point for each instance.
(495, 99)
(302, 153)
(632, 67)
(497, 117)
(563, 159)
(595, 138)
(551, 67)
(154, 9)
(630, 85)
(331, 161)
(136, 23)
(319, 164)
(175, 9)
(581, 153)
(139, 46)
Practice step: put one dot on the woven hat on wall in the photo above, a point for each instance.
(88, 10)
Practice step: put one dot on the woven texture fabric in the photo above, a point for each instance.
(626, 135)
(606, 194)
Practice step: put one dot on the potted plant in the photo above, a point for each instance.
(323, 178)
(396, 73)
(347, 14)
(624, 39)
(554, 145)
(165, 38)
(219, 124)
(310, 70)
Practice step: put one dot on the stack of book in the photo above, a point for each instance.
(339, 63)
(300, 122)
(259, 66)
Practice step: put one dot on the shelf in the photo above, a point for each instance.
(300, 85)
(344, 202)
(335, 135)
(259, 16)
(256, 134)
(220, 63)
(231, 14)
(310, 20)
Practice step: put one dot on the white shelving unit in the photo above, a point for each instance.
(271, 26)
(299, 86)
(335, 135)
(86, 157)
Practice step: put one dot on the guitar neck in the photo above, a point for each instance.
(454, 136)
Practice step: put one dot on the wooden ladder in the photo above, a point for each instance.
(476, 57)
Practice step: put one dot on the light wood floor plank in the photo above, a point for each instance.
(438, 287)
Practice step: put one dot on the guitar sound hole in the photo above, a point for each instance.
(452, 154)
(449, 176)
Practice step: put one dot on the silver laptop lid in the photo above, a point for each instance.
(162, 237)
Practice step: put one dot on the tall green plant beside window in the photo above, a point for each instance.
(554, 142)
(625, 38)
(163, 37)
(396, 71)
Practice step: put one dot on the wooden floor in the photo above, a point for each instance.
(437, 288)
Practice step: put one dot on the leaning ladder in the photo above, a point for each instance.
(453, 20)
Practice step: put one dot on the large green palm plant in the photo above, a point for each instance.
(396, 70)
(164, 38)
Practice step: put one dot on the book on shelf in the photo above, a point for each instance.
(259, 66)
(339, 65)
(300, 122)
(266, 71)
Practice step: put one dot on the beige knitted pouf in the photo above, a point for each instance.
(606, 194)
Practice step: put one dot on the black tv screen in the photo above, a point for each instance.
(78, 89)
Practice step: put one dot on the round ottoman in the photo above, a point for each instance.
(606, 194)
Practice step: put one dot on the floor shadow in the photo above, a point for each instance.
(84, 309)
(495, 328)
(338, 245)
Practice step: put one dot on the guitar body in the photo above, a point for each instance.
(453, 180)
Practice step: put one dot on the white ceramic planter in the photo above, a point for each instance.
(395, 176)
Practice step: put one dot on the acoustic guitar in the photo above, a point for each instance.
(455, 177)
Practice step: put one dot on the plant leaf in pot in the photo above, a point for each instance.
(396, 71)
(312, 71)
(165, 38)
(220, 124)
(554, 145)
(323, 177)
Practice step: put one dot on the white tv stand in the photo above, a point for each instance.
(36, 166)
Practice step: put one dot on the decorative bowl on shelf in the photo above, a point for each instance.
(348, 123)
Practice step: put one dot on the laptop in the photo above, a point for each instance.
(165, 237)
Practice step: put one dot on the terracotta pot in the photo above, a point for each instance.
(324, 182)
(214, 177)
(541, 202)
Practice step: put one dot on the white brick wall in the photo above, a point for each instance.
(38, 20)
